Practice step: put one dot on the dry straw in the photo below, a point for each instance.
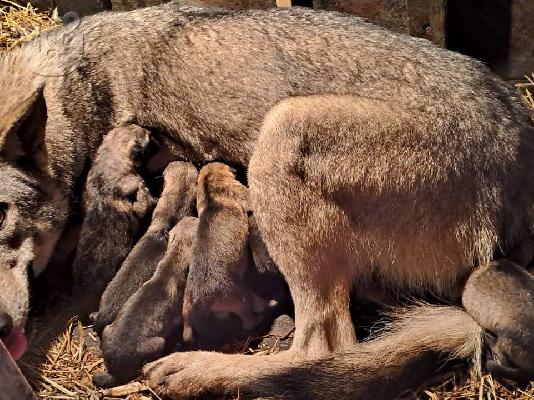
(526, 89)
(22, 23)
(68, 366)
(72, 358)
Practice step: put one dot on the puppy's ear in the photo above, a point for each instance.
(145, 146)
(22, 131)
(146, 139)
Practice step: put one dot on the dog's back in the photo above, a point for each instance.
(278, 54)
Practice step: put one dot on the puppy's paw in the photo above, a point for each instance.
(103, 379)
(144, 202)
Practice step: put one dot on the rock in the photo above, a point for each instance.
(280, 337)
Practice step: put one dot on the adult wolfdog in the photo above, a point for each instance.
(374, 160)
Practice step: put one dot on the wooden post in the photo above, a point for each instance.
(13, 385)
(283, 3)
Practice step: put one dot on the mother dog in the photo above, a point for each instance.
(376, 161)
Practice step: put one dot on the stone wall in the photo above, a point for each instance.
(393, 14)
(125, 5)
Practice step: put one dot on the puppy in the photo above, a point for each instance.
(150, 322)
(176, 202)
(264, 278)
(117, 201)
(500, 297)
(219, 306)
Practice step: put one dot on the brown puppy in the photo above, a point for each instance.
(500, 298)
(176, 202)
(142, 328)
(150, 321)
(217, 297)
(117, 201)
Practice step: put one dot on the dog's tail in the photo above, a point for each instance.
(423, 344)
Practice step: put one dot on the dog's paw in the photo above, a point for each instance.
(185, 375)
(104, 380)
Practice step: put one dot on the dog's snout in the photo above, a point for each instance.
(6, 325)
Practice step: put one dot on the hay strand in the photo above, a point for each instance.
(526, 90)
(20, 24)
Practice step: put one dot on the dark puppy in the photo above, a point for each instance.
(176, 202)
(218, 302)
(117, 201)
(151, 320)
(264, 278)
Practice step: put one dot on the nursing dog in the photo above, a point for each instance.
(369, 154)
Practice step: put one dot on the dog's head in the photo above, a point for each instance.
(32, 208)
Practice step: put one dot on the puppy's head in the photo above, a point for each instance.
(132, 142)
(500, 298)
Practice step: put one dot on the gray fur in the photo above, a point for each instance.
(500, 298)
(149, 322)
(369, 153)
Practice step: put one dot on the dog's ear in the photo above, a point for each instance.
(22, 132)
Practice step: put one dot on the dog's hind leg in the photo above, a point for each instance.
(341, 195)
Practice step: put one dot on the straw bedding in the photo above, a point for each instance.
(22, 23)
(61, 367)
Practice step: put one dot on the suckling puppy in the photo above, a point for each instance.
(264, 278)
(218, 303)
(176, 202)
(150, 321)
(147, 325)
(117, 201)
